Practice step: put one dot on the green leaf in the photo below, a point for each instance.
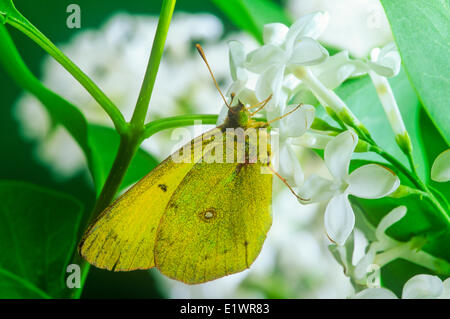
(419, 219)
(10, 15)
(37, 237)
(60, 110)
(434, 145)
(252, 15)
(420, 29)
(7, 9)
(395, 274)
(104, 142)
(361, 97)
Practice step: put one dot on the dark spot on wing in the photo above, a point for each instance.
(208, 215)
(172, 204)
(163, 187)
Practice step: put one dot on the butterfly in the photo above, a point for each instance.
(195, 220)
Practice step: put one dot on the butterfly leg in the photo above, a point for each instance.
(261, 105)
(287, 184)
(284, 115)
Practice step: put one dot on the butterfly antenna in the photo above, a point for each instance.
(284, 115)
(202, 54)
(289, 186)
(261, 105)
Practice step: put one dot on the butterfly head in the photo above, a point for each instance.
(238, 116)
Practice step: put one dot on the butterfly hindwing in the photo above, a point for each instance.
(221, 229)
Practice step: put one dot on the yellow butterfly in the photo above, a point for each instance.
(194, 221)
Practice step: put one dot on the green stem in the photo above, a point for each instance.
(411, 163)
(15, 19)
(178, 121)
(414, 178)
(131, 135)
(397, 164)
(404, 190)
(127, 148)
(439, 194)
(332, 102)
(145, 94)
(408, 252)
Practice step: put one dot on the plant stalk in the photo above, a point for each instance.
(140, 111)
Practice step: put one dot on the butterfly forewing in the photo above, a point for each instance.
(123, 236)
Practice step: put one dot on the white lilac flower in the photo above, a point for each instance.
(418, 287)
(368, 181)
(313, 139)
(336, 69)
(382, 243)
(440, 171)
(290, 127)
(331, 73)
(239, 74)
(358, 259)
(355, 25)
(384, 63)
(240, 78)
(285, 48)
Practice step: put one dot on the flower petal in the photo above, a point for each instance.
(336, 69)
(239, 84)
(446, 285)
(308, 51)
(338, 153)
(296, 123)
(290, 167)
(317, 189)
(261, 59)
(270, 83)
(422, 287)
(387, 61)
(372, 181)
(391, 218)
(440, 171)
(339, 219)
(222, 115)
(311, 25)
(375, 293)
(381, 69)
(313, 140)
(275, 33)
(363, 265)
(236, 56)
(247, 96)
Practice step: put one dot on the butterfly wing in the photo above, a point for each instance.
(215, 223)
(123, 236)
